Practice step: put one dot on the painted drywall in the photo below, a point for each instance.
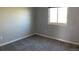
(69, 32)
(15, 23)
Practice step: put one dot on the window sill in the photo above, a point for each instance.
(57, 24)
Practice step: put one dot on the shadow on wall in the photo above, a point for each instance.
(15, 23)
(70, 32)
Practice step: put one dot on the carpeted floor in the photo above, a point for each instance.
(39, 43)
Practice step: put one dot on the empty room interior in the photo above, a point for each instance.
(39, 28)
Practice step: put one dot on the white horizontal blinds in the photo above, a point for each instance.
(53, 15)
(62, 15)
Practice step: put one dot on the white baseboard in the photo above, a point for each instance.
(16, 40)
(75, 43)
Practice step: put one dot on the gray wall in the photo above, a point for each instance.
(15, 23)
(69, 32)
(19, 22)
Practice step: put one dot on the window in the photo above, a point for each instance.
(58, 15)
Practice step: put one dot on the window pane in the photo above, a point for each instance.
(53, 15)
(62, 15)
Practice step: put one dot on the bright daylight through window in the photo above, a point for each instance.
(58, 15)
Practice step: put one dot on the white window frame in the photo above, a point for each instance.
(52, 23)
